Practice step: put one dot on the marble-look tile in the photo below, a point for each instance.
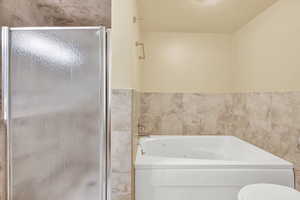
(237, 122)
(135, 136)
(10, 5)
(121, 186)
(121, 143)
(201, 113)
(2, 161)
(295, 103)
(121, 110)
(149, 124)
(282, 111)
(161, 103)
(297, 173)
(121, 151)
(258, 114)
(135, 124)
(282, 141)
(74, 12)
(55, 13)
(161, 113)
(28, 12)
(7, 10)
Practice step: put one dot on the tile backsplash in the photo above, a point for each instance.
(121, 143)
(2, 161)
(269, 120)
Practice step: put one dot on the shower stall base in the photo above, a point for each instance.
(203, 167)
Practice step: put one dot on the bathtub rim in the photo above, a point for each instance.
(158, 162)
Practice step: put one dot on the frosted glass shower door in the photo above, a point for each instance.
(55, 110)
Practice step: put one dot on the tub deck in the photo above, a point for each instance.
(204, 167)
(166, 152)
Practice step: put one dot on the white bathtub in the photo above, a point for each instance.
(203, 168)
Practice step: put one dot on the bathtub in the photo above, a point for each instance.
(203, 168)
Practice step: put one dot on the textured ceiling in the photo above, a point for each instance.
(209, 16)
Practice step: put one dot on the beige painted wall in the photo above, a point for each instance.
(267, 50)
(125, 63)
(187, 62)
(263, 55)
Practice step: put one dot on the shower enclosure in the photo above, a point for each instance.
(55, 94)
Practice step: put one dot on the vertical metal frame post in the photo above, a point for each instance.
(105, 76)
(5, 38)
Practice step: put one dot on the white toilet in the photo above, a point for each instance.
(268, 192)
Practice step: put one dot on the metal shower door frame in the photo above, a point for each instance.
(105, 79)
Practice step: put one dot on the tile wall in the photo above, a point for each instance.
(121, 146)
(2, 161)
(122, 119)
(269, 120)
(55, 13)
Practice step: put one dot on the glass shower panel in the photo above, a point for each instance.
(57, 114)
